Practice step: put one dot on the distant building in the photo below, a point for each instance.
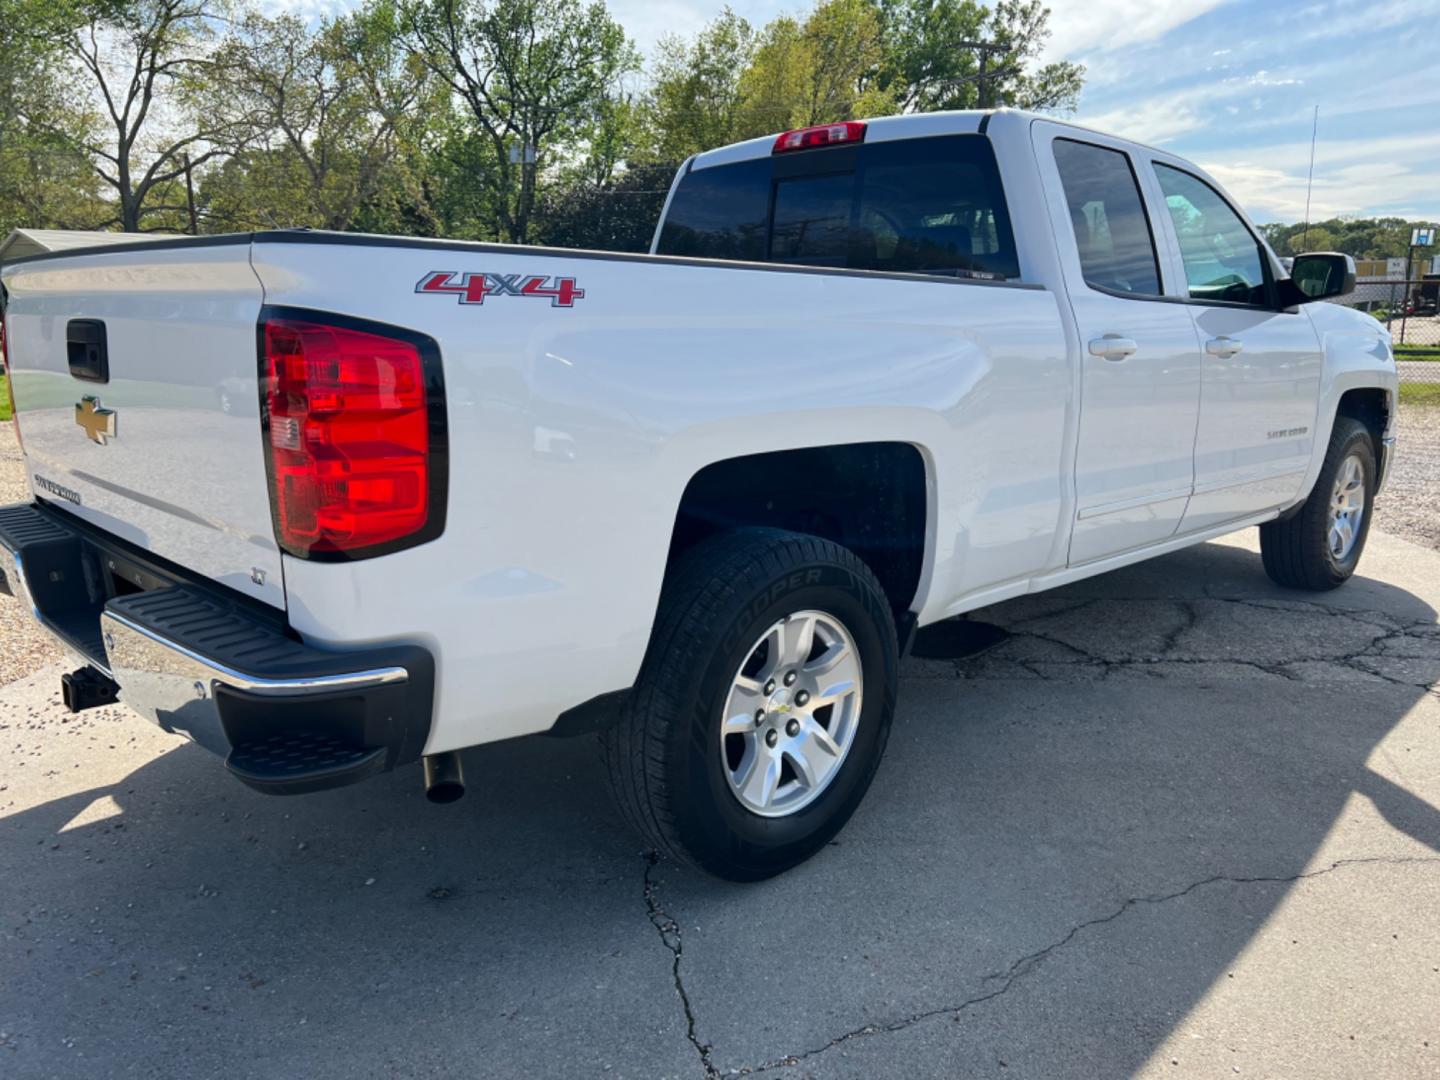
(22, 242)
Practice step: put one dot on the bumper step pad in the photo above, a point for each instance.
(292, 762)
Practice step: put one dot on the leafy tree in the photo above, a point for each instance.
(815, 72)
(1363, 238)
(695, 98)
(618, 215)
(45, 180)
(931, 61)
(328, 108)
(149, 63)
(465, 206)
(533, 76)
(852, 59)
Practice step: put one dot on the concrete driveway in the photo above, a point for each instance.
(1181, 823)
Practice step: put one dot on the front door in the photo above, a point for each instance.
(1260, 367)
(1140, 383)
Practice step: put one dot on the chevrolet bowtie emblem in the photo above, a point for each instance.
(98, 422)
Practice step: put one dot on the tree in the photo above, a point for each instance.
(815, 72)
(147, 62)
(1363, 238)
(695, 99)
(852, 59)
(618, 215)
(932, 63)
(328, 108)
(44, 179)
(534, 76)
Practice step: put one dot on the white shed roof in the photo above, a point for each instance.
(22, 242)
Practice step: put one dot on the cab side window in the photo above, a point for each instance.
(1117, 249)
(1223, 260)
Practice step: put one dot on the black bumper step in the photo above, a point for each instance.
(296, 762)
(227, 636)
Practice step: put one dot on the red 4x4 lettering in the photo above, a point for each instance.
(563, 293)
(474, 287)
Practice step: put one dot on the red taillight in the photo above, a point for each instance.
(851, 131)
(352, 463)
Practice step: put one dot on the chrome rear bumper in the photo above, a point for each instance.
(201, 662)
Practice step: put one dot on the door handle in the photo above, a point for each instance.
(1112, 347)
(1223, 347)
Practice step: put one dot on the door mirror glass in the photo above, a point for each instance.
(1319, 275)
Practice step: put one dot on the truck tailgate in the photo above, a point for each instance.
(135, 379)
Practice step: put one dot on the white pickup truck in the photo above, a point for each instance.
(328, 503)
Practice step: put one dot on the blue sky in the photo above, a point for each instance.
(1230, 84)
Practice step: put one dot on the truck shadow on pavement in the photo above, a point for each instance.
(1071, 840)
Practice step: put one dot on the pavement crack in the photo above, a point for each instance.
(1362, 661)
(669, 930)
(1028, 963)
(1187, 623)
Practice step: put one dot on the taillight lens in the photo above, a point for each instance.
(353, 464)
(851, 131)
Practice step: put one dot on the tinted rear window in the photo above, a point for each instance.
(720, 213)
(926, 206)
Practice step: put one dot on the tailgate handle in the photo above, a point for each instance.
(85, 347)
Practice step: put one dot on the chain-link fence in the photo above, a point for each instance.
(1411, 312)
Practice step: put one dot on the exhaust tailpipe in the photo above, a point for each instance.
(444, 777)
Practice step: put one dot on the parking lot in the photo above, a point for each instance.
(1179, 823)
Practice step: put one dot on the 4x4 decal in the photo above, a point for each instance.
(473, 288)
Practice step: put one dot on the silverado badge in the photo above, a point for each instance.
(98, 422)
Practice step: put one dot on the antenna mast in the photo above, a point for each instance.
(1310, 181)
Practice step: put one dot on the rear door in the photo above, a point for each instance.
(135, 377)
(1140, 382)
(1260, 366)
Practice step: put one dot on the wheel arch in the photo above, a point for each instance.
(875, 498)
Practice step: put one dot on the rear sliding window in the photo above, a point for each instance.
(919, 206)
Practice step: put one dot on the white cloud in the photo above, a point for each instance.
(1165, 117)
(310, 10)
(1080, 27)
(1395, 174)
(1156, 120)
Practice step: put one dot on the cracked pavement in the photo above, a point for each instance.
(1180, 823)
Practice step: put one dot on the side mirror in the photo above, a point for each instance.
(1319, 275)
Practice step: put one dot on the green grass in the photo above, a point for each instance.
(4, 399)
(1412, 352)
(1416, 393)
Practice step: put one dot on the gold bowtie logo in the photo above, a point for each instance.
(98, 422)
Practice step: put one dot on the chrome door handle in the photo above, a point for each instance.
(1223, 347)
(1112, 347)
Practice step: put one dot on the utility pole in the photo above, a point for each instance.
(190, 195)
(986, 49)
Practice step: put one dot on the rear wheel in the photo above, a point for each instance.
(763, 706)
(1319, 547)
